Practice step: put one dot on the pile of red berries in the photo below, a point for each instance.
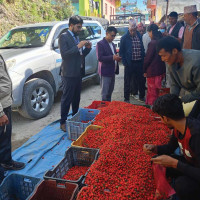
(123, 171)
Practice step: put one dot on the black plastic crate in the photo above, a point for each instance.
(74, 156)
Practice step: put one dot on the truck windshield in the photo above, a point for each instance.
(121, 30)
(27, 37)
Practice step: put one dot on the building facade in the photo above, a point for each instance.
(175, 5)
(87, 7)
(151, 6)
(108, 8)
(96, 8)
(158, 7)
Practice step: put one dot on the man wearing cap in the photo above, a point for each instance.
(176, 29)
(191, 39)
(132, 53)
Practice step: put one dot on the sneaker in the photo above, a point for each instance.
(13, 165)
(142, 100)
(63, 127)
(126, 100)
(136, 96)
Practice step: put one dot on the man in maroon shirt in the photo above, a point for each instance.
(186, 135)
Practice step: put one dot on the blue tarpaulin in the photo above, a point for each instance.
(43, 151)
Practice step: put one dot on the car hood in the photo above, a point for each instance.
(10, 53)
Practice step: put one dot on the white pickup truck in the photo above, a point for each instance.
(33, 60)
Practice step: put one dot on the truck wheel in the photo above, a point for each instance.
(38, 97)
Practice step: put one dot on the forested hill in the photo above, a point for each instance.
(19, 12)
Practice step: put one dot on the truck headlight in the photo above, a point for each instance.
(10, 63)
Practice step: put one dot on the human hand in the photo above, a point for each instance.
(150, 148)
(4, 120)
(88, 45)
(166, 34)
(165, 161)
(82, 43)
(117, 58)
(145, 74)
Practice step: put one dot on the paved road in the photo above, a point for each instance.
(24, 128)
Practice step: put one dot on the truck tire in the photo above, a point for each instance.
(37, 100)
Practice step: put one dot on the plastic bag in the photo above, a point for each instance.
(163, 188)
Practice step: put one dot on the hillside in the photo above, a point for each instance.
(17, 12)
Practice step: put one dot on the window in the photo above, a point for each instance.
(96, 30)
(86, 33)
(26, 37)
(110, 10)
(61, 29)
(106, 11)
(113, 11)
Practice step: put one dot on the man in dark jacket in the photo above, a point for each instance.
(108, 63)
(191, 39)
(176, 29)
(186, 135)
(72, 64)
(132, 53)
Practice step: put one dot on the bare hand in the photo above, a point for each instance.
(82, 43)
(149, 148)
(145, 75)
(88, 45)
(117, 58)
(166, 34)
(165, 161)
(4, 120)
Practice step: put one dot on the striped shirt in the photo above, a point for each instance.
(136, 48)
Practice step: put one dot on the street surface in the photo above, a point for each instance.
(24, 128)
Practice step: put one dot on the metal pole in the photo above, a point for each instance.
(166, 12)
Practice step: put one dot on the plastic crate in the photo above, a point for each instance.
(55, 190)
(76, 126)
(98, 104)
(18, 187)
(74, 156)
(79, 141)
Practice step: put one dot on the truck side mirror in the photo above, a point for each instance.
(55, 44)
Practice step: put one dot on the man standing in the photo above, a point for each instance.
(176, 29)
(183, 66)
(191, 38)
(72, 64)
(132, 53)
(108, 63)
(185, 169)
(5, 121)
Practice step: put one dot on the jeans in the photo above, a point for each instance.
(107, 87)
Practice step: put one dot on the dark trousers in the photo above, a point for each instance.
(71, 87)
(186, 188)
(5, 138)
(134, 75)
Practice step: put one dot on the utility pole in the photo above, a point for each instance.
(166, 12)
